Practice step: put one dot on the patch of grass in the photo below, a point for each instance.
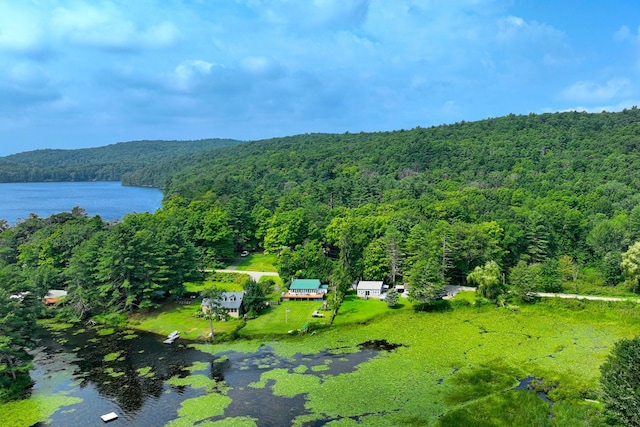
(258, 262)
(171, 317)
(480, 381)
(500, 410)
(468, 296)
(233, 285)
(280, 319)
(358, 310)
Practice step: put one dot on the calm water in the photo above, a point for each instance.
(76, 363)
(110, 200)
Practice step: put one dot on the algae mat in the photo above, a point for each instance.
(464, 359)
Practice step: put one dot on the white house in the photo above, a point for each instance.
(370, 288)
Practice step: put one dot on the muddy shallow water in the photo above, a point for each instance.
(127, 373)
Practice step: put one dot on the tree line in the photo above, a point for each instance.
(108, 163)
(522, 203)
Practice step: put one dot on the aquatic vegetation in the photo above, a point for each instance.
(231, 422)
(200, 408)
(145, 372)
(287, 384)
(106, 331)
(113, 373)
(26, 413)
(300, 369)
(449, 360)
(55, 325)
(112, 356)
(195, 381)
(199, 366)
(400, 368)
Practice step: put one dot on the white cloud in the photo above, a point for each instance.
(188, 73)
(603, 107)
(589, 91)
(108, 27)
(516, 29)
(306, 16)
(624, 34)
(261, 67)
(21, 29)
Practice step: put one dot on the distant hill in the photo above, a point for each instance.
(574, 152)
(107, 163)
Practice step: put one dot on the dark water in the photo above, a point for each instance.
(110, 200)
(74, 363)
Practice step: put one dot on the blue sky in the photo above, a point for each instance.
(79, 74)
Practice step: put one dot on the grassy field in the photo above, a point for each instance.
(257, 262)
(182, 318)
(228, 281)
(357, 310)
(288, 316)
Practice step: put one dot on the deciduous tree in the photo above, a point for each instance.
(488, 280)
(631, 266)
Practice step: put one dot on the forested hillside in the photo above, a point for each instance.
(539, 189)
(512, 205)
(108, 163)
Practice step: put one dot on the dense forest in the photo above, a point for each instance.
(108, 163)
(512, 205)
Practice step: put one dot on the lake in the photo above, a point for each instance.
(110, 200)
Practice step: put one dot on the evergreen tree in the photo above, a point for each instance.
(620, 376)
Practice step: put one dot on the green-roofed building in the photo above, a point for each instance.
(305, 289)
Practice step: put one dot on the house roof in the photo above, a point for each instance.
(228, 300)
(232, 299)
(56, 293)
(370, 285)
(305, 284)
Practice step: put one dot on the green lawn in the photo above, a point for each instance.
(227, 281)
(178, 317)
(358, 310)
(258, 262)
(289, 315)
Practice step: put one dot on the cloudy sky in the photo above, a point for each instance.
(90, 73)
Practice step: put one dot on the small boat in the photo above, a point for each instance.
(109, 417)
(170, 340)
(171, 337)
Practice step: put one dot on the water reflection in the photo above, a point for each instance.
(127, 374)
